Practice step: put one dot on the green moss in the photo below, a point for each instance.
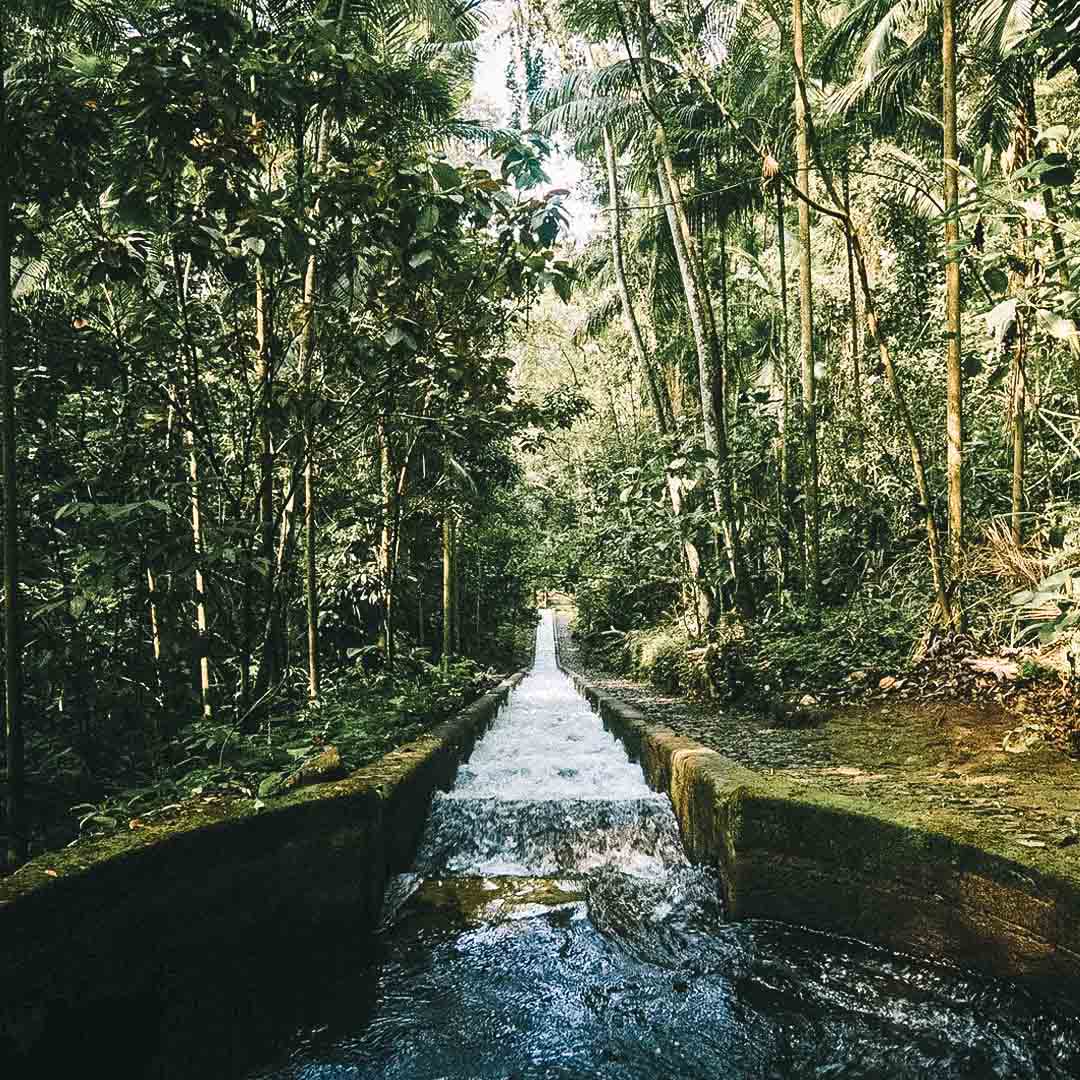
(197, 814)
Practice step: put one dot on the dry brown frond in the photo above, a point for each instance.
(1022, 566)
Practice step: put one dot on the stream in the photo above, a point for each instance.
(552, 927)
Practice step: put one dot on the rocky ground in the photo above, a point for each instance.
(947, 759)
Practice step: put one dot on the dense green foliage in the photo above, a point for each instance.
(261, 295)
(715, 88)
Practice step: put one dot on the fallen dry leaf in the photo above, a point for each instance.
(994, 665)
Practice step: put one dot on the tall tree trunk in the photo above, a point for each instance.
(699, 307)
(311, 579)
(14, 803)
(787, 499)
(1018, 281)
(806, 310)
(705, 601)
(725, 365)
(264, 375)
(268, 667)
(708, 397)
(387, 546)
(856, 344)
(663, 386)
(457, 575)
(954, 373)
(307, 368)
(155, 641)
(190, 406)
(311, 576)
(703, 324)
(1018, 406)
(421, 629)
(198, 545)
(448, 587)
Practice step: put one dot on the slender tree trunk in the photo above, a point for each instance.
(201, 625)
(663, 387)
(479, 584)
(787, 500)
(703, 323)
(155, 641)
(954, 372)
(387, 541)
(307, 367)
(311, 577)
(1018, 417)
(704, 599)
(190, 382)
(14, 803)
(725, 365)
(448, 587)
(709, 399)
(264, 375)
(1018, 280)
(856, 344)
(806, 310)
(458, 529)
(268, 668)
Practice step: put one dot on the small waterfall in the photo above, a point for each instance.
(549, 792)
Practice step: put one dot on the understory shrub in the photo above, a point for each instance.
(782, 651)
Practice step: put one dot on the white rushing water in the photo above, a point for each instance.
(548, 744)
(548, 790)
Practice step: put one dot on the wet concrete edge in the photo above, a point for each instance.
(798, 855)
(114, 920)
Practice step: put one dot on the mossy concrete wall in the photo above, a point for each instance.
(106, 918)
(880, 873)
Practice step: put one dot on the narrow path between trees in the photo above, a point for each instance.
(942, 760)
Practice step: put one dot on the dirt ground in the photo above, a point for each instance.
(945, 760)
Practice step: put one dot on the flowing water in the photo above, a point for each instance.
(553, 928)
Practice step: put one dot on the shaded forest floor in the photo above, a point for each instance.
(212, 770)
(943, 759)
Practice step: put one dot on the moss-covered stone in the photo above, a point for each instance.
(108, 917)
(894, 872)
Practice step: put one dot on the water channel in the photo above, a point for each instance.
(552, 927)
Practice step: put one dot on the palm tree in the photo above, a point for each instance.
(806, 304)
(625, 99)
(954, 419)
(895, 44)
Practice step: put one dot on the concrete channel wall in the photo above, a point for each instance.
(109, 919)
(789, 853)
